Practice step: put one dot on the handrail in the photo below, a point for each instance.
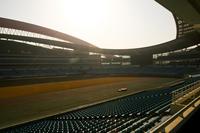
(161, 128)
(184, 90)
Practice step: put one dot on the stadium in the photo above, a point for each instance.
(54, 82)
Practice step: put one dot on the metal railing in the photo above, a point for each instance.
(181, 114)
(184, 90)
(180, 117)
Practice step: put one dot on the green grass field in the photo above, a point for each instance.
(24, 103)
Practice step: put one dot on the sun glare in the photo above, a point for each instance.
(89, 13)
(114, 23)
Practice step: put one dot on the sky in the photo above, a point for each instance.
(114, 24)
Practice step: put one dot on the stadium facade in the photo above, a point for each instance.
(31, 50)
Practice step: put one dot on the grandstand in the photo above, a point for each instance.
(33, 54)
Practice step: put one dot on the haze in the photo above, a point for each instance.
(115, 24)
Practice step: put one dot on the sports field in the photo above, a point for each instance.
(23, 103)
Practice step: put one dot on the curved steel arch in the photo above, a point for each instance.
(190, 39)
(14, 24)
(49, 42)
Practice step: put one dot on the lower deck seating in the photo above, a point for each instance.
(138, 112)
(12, 72)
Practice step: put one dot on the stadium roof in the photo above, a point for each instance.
(189, 33)
(188, 11)
(14, 24)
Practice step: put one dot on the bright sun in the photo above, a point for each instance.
(90, 13)
(115, 23)
(104, 23)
